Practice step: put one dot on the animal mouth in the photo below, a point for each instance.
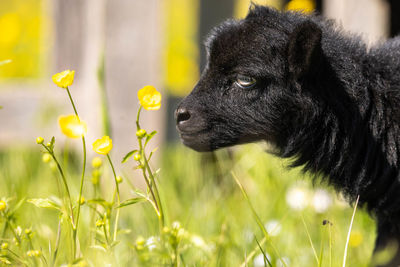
(196, 140)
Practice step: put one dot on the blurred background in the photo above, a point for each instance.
(116, 47)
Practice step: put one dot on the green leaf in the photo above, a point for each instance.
(113, 244)
(77, 261)
(16, 207)
(52, 142)
(99, 201)
(1, 107)
(99, 248)
(151, 153)
(124, 231)
(156, 172)
(128, 155)
(149, 136)
(44, 203)
(131, 201)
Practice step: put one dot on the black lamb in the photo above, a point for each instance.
(316, 94)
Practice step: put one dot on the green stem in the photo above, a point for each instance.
(137, 118)
(154, 201)
(75, 229)
(118, 198)
(64, 182)
(176, 256)
(72, 102)
(153, 182)
(80, 188)
(13, 230)
(156, 194)
(148, 182)
(17, 257)
(57, 244)
(105, 234)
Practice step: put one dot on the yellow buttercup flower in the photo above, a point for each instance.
(64, 79)
(103, 145)
(306, 6)
(149, 98)
(72, 126)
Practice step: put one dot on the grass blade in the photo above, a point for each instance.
(309, 239)
(257, 218)
(266, 260)
(349, 232)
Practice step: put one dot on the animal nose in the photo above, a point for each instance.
(182, 115)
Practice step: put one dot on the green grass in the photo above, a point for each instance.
(199, 192)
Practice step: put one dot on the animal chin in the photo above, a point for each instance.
(196, 141)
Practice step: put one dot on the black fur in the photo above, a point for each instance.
(321, 98)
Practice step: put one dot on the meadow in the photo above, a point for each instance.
(234, 207)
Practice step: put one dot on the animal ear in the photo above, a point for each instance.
(304, 49)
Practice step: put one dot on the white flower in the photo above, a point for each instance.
(297, 198)
(321, 201)
(151, 243)
(259, 260)
(198, 241)
(273, 227)
(18, 230)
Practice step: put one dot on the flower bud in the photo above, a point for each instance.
(140, 241)
(33, 253)
(3, 205)
(99, 223)
(137, 157)
(4, 246)
(97, 162)
(119, 179)
(141, 133)
(83, 200)
(39, 140)
(46, 158)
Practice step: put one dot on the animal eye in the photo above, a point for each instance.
(245, 81)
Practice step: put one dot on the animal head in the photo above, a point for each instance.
(253, 87)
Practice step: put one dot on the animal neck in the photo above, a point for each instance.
(350, 140)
